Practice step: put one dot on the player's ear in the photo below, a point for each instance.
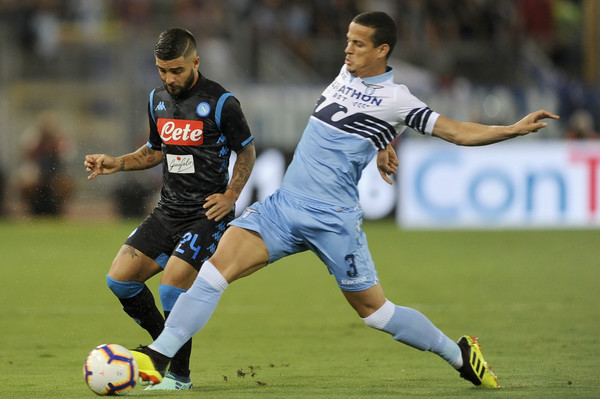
(384, 49)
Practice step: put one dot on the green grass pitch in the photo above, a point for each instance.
(532, 298)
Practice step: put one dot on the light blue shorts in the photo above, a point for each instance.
(289, 224)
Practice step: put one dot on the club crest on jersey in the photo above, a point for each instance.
(371, 88)
(203, 109)
(180, 131)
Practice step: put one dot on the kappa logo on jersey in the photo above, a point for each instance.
(180, 131)
(160, 106)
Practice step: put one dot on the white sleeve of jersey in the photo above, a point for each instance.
(414, 112)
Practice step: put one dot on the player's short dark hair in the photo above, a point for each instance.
(384, 26)
(174, 43)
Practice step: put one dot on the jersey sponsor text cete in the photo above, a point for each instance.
(180, 131)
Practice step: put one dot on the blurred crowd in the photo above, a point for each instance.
(425, 25)
(486, 41)
(489, 42)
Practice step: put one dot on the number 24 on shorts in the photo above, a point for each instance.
(189, 239)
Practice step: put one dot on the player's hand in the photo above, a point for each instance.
(531, 123)
(387, 163)
(99, 164)
(219, 205)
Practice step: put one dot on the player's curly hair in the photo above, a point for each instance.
(384, 26)
(174, 43)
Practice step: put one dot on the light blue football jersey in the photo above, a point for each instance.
(353, 119)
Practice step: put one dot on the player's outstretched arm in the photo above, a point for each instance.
(103, 164)
(475, 134)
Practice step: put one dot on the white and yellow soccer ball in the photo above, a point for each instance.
(110, 369)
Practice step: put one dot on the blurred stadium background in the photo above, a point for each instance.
(84, 68)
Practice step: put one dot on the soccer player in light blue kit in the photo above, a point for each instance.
(317, 207)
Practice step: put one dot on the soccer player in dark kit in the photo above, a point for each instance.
(194, 125)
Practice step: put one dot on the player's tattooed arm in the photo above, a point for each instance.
(219, 205)
(144, 158)
(242, 168)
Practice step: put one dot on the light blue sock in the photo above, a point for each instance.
(412, 328)
(192, 310)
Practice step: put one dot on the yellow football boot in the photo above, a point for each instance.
(152, 365)
(475, 368)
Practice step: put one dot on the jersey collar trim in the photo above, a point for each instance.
(387, 75)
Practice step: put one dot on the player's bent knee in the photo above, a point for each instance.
(379, 319)
(124, 289)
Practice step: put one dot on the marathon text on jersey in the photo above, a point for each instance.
(180, 131)
(343, 93)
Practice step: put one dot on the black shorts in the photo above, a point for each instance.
(193, 240)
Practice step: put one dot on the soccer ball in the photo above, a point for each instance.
(110, 369)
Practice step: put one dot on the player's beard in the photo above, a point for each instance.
(176, 91)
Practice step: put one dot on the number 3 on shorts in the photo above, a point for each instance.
(352, 272)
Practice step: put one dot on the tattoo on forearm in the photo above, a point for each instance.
(149, 155)
(138, 161)
(242, 169)
(143, 158)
